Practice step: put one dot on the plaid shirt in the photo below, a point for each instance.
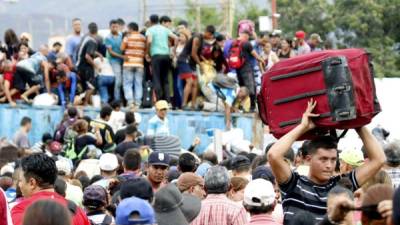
(217, 209)
(263, 219)
(394, 174)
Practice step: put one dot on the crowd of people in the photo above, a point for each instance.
(105, 170)
(140, 65)
(96, 171)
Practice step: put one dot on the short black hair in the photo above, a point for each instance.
(338, 190)
(25, 120)
(289, 155)
(57, 43)
(95, 178)
(187, 162)
(105, 111)
(133, 26)
(302, 218)
(268, 147)
(120, 21)
(211, 157)
(183, 23)
(263, 34)
(72, 112)
(220, 37)
(325, 142)
(165, 19)
(76, 19)
(130, 129)
(60, 186)
(116, 104)
(130, 118)
(113, 22)
(40, 167)
(210, 29)
(132, 159)
(92, 28)
(154, 19)
(258, 161)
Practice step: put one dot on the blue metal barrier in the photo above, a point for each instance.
(186, 125)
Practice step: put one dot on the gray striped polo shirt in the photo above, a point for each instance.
(301, 194)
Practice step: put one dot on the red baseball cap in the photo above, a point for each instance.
(55, 147)
(300, 34)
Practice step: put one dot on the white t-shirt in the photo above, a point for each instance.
(104, 66)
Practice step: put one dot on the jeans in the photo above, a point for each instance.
(73, 79)
(117, 69)
(160, 65)
(103, 83)
(133, 80)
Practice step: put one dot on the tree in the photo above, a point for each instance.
(370, 25)
(248, 10)
(312, 16)
(210, 15)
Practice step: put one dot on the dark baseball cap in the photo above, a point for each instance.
(137, 187)
(159, 158)
(94, 193)
(240, 161)
(172, 207)
(263, 172)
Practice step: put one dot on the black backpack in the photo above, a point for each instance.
(147, 101)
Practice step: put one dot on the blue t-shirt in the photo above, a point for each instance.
(159, 44)
(71, 47)
(114, 42)
(158, 127)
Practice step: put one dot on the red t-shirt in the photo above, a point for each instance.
(8, 76)
(3, 209)
(17, 213)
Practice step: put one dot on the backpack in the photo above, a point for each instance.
(235, 58)
(69, 145)
(147, 101)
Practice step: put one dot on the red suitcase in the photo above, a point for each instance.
(341, 81)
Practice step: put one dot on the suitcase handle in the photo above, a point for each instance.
(300, 96)
(342, 88)
(296, 121)
(336, 61)
(344, 114)
(296, 73)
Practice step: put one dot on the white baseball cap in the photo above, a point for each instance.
(64, 166)
(108, 162)
(259, 192)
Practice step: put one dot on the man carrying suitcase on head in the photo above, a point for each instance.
(310, 192)
(239, 58)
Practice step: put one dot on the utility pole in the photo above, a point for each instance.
(198, 15)
(144, 8)
(231, 10)
(225, 12)
(274, 14)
